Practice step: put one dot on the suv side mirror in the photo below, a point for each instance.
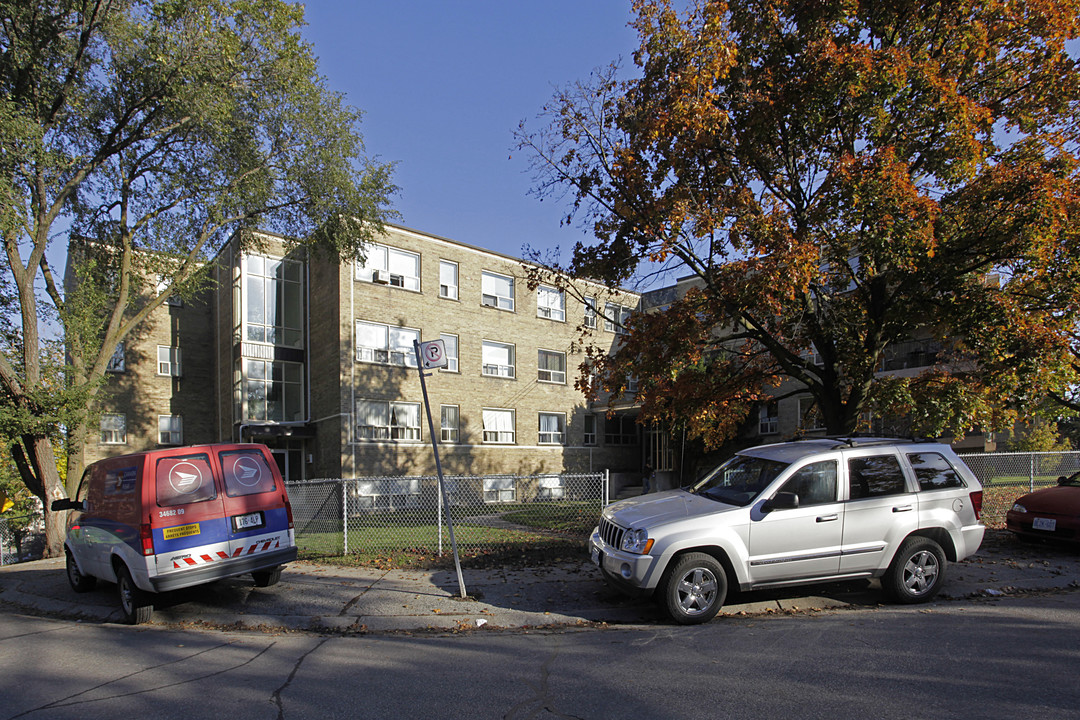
(781, 501)
(66, 504)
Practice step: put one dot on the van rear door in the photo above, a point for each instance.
(255, 501)
(188, 521)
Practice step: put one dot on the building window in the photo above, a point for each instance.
(170, 430)
(168, 361)
(497, 359)
(552, 428)
(498, 426)
(451, 344)
(450, 424)
(113, 429)
(381, 420)
(273, 301)
(620, 430)
(615, 318)
(769, 418)
(386, 344)
(274, 391)
(497, 290)
(552, 366)
(550, 303)
(163, 285)
(498, 489)
(590, 430)
(386, 265)
(590, 312)
(448, 280)
(116, 362)
(809, 415)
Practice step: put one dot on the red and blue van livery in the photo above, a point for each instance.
(172, 518)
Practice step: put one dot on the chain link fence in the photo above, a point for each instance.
(1007, 476)
(19, 538)
(408, 514)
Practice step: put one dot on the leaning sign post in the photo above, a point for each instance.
(432, 355)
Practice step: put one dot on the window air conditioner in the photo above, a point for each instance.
(380, 276)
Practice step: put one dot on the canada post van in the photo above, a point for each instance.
(169, 519)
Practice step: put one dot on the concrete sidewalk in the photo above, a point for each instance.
(323, 598)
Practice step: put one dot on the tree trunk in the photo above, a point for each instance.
(44, 465)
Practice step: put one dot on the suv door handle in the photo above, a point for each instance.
(902, 508)
(827, 518)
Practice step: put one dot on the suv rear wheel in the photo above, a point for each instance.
(693, 589)
(916, 572)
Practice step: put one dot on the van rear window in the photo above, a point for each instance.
(246, 473)
(185, 479)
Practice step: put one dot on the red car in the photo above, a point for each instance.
(1052, 512)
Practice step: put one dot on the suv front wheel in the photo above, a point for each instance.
(916, 572)
(693, 589)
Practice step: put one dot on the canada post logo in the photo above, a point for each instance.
(185, 478)
(247, 471)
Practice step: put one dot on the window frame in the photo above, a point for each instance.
(172, 364)
(367, 272)
(553, 375)
(453, 362)
(177, 429)
(548, 312)
(408, 356)
(285, 381)
(589, 437)
(499, 302)
(557, 437)
(121, 431)
(452, 291)
(499, 434)
(512, 367)
(391, 431)
(447, 433)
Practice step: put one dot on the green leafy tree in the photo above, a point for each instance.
(837, 178)
(151, 130)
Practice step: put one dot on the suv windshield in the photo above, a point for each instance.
(739, 480)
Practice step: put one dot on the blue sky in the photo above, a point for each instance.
(443, 85)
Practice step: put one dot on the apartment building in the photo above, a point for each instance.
(315, 359)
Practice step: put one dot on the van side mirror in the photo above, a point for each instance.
(66, 504)
(781, 501)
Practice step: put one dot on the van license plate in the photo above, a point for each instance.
(251, 521)
(1044, 524)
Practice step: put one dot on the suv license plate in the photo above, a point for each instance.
(1044, 524)
(248, 522)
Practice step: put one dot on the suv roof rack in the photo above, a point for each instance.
(854, 441)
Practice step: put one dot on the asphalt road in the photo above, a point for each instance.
(989, 658)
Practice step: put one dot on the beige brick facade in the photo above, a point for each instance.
(342, 386)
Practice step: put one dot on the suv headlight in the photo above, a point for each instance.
(637, 542)
(1017, 507)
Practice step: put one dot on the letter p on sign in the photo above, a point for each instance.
(433, 354)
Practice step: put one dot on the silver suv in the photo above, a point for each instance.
(792, 513)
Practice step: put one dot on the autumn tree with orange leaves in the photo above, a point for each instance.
(838, 177)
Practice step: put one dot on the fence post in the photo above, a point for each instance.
(344, 518)
(607, 487)
(1031, 473)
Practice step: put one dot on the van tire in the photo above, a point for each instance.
(134, 603)
(79, 583)
(266, 578)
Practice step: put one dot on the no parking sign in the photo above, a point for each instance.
(433, 354)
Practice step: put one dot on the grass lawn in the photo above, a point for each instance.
(411, 540)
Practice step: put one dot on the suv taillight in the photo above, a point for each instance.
(146, 535)
(288, 511)
(976, 503)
